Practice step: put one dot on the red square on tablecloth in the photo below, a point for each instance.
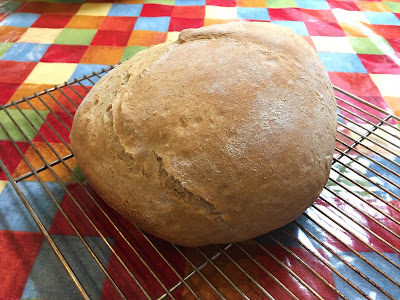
(368, 237)
(64, 53)
(118, 23)
(62, 8)
(152, 258)
(16, 71)
(286, 14)
(319, 28)
(195, 12)
(347, 5)
(276, 269)
(359, 84)
(111, 38)
(156, 10)
(7, 90)
(225, 3)
(61, 226)
(11, 158)
(395, 43)
(3, 16)
(52, 21)
(18, 252)
(33, 7)
(311, 15)
(59, 125)
(178, 24)
(379, 64)
(388, 31)
(67, 97)
(310, 41)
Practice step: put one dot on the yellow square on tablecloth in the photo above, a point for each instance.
(172, 36)
(2, 185)
(94, 9)
(40, 35)
(332, 44)
(219, 12)
(51, 73)
(387, 84)
(372, 6)
(345, 16)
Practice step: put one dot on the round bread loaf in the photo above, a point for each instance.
(220, 136)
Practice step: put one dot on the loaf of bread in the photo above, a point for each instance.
(220, 136)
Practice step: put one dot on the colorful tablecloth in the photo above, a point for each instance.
(43, 44)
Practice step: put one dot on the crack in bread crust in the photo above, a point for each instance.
(178, 189)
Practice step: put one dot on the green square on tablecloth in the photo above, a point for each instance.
(22, 122)
(372, 45)
(130, 51)
(70, 36)
(394, 6)
(165, 2)
(4, 47)
(79, 174)
(9, 6)
(281, 3)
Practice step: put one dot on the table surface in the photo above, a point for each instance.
(43, 44)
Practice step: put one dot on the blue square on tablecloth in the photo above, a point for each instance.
(125, 10)
(382, 18)
(253, 13)
(153, 23)
(49, 280)
(339, 118)
(297, 26)
(25, 52)
(313, 4)
(14, 215)
(342, 62)
(367, 270)
(385, 174)
(20, 20)
(297, 232)
(190, 2)
(9, 6)
(87, 69)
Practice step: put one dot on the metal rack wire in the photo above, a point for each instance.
(358, 213)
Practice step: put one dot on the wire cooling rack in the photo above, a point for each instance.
(346, 245)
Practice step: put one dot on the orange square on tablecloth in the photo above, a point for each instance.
(27, 89)
(49, 156)
(196, 12)
(387, 31)
(251, 3)
(358, 29)
(118, 23)
(372, 6)
(146, 38)
(85, 22)
(394, 104)
(102, 55)
(11, 34)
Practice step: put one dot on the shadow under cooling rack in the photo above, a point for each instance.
(346, 245)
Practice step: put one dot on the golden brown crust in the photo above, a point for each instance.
(221, 136)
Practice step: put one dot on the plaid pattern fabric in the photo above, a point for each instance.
(45, 43)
